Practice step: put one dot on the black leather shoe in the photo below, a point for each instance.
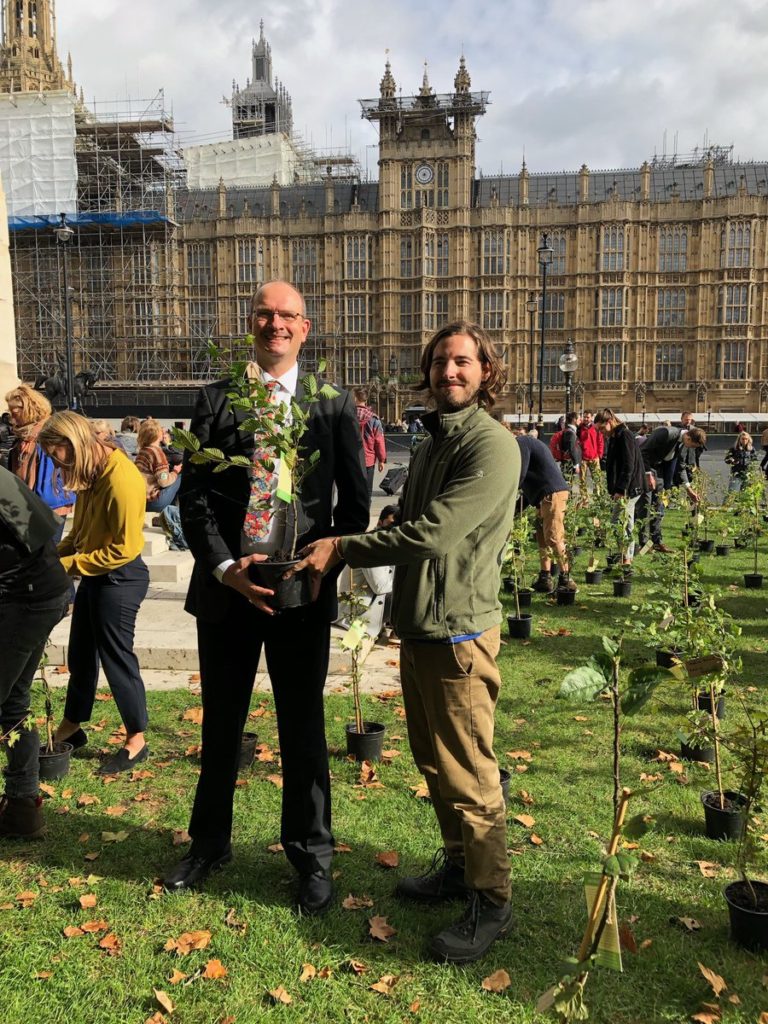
(78, 739)
(192, 871)
(315, 892)
(122, 761)
(472, 936)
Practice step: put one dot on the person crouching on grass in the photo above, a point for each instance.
(457, 511)
(104, 550)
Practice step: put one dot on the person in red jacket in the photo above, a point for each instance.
(592, 447)
(372, 432)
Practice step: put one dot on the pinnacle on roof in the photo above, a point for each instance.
(388, 85)
(462, 81)
(426, 88)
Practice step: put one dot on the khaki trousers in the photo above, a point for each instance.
(450, 693)
(550, 529)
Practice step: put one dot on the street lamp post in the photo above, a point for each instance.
(531, 305)
(568, 362)
(392, 382)
(64, 235)
(545, 254)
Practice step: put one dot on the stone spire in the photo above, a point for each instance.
(388, 84)
(426, 88)
(28, 58)
(462, 81)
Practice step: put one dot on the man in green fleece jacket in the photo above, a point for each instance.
(456, 515)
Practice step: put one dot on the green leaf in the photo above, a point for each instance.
(310, 386)
(327, 391)
(241, 460)
(583, 683)
(610, 647)
(611, 866)
(220, 467)
(641, 684)
(214, 453)
(627, 864)
(186, 439)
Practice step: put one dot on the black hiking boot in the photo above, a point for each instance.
(472, 936)
(21, 817)
(564, 582)
(543, 583)
(443, 880)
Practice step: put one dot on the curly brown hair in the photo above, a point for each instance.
(486, 353)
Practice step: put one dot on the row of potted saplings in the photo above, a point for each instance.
(597, 522)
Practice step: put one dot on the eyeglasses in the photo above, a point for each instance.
(265, 316)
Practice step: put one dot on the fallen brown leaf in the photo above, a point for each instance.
(231, 922)
(43, 975)
(709, 1014)
(72, 931)
(156, 1018)
(116, 810)
(176, 977)
(276, 780)
(279, 995)
(646, 944)
(48, 790)
(521, 767)
(664, 756)
(193, 715)
(536, 840)
(414, 1007)
(188, 941)
(342, 848)
(307, 972)
(380, 929)
(88, 901)
(385, 984)
(526, 820)
(708, 868)
(519, 755)
(676, 767)
(114, 837)
(421, 792)
(101, 696)
(355, 967)
(275, 848)
(496, 982)
(716, 982)
(356, 902)
(180, 836)
(91, 856)
(94, 926)
(647, 856)
(215, 970)
(734, 999)
(526, 798)
(86, 799)
(688, 924)
(627, 938)
(26, 899)
(139, 774)
(163, 1000)
(388, 859)
(111, 944)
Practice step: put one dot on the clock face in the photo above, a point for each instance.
(424, 174)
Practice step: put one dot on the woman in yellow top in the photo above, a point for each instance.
(104, 550)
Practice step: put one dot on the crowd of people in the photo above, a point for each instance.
(438, 552)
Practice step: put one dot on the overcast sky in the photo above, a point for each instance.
(570, 81)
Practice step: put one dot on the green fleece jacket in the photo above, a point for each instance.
(457, 513)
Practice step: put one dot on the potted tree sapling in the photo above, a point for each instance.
(365, 740)
(750, 502)
(598, 514)
(54, 755)
(703, 487)
(520, 623)
(621, 535)
(278, 431)
(724, 528)
(747, 898)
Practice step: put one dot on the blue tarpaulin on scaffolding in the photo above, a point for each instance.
(115, 220)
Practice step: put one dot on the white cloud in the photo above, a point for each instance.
(572, 81)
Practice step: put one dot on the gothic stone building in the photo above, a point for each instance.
(658, 274)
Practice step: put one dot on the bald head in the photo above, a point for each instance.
(284, 285)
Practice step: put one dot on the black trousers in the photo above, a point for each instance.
(369, 471)
(649, 514)
(102, 631)
(297, 647)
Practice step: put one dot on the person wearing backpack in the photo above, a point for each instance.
(372, 434)
(592, 446)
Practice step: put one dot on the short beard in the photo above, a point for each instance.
(446, 404)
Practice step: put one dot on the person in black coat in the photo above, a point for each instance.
(543, 485)
(235, 618)
(662, 446)
(34, 593)
(624, 471)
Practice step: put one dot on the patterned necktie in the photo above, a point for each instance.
(258, 517)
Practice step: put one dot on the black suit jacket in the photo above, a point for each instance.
(213, 505)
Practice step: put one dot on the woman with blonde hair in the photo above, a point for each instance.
(28, 410)
(104, 550)
(152, 462)
(740, 457)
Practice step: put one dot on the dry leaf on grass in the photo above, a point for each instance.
(652, 777)
(275, 848)
(88, 901)
(526, 798)
(99, 696)
(646, 944)
(355, 967)
(496, 982)
(111, 944)
(86, 799)
(525, 820)
(357, 902)
(388, 859)
(114, 837)
(521, 767)
(94, 855)
(176, 977)
(279, 995)
(734, 999)
(421, 792)
(26, 899)
(688, 924)
(231, 922)
(708, 1014)
(43, 975)
(163, 1000)
(676, 767)
(180, 836)
(156, 1018)
(308, 971)
(664, 756)
(139, 774)
(380, 929)
(276, 780)
(536, 840)
(214, 970)
(94, 926)
(627, 938)
(716, 982)
(48, 790)
(72, 931)
(188, 941)
(385, 984)
(342, 848)
(708, 868)
(116, 811)
(193, 715)
(763, 1018)
(519, 755)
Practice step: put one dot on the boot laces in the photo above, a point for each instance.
(469, 924)
(439, 864)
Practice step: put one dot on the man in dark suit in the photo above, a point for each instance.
(234, 615)
(666, 447)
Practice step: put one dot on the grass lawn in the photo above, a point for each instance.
(122, 835)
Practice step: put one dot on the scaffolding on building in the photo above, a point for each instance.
(123, 261)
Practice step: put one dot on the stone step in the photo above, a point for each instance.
(155, 543)
(170, 566)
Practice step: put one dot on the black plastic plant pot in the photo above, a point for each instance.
(505, 778)
(291, 593)
(524, 597)
(692, 600)
(565, 597)
(56, 764)
(748, 911)
(576, 550)
(666, 659)
(707, 546)
(595, 576)
(753, 580)
(694, 559)
(739, 543)
(519, 629)
(508, 584)
(704, 703)
(622, 588)
(247, 750)
(612, 559)
(722, 550)
(367, 745)
(725, 822)
(700, 755)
